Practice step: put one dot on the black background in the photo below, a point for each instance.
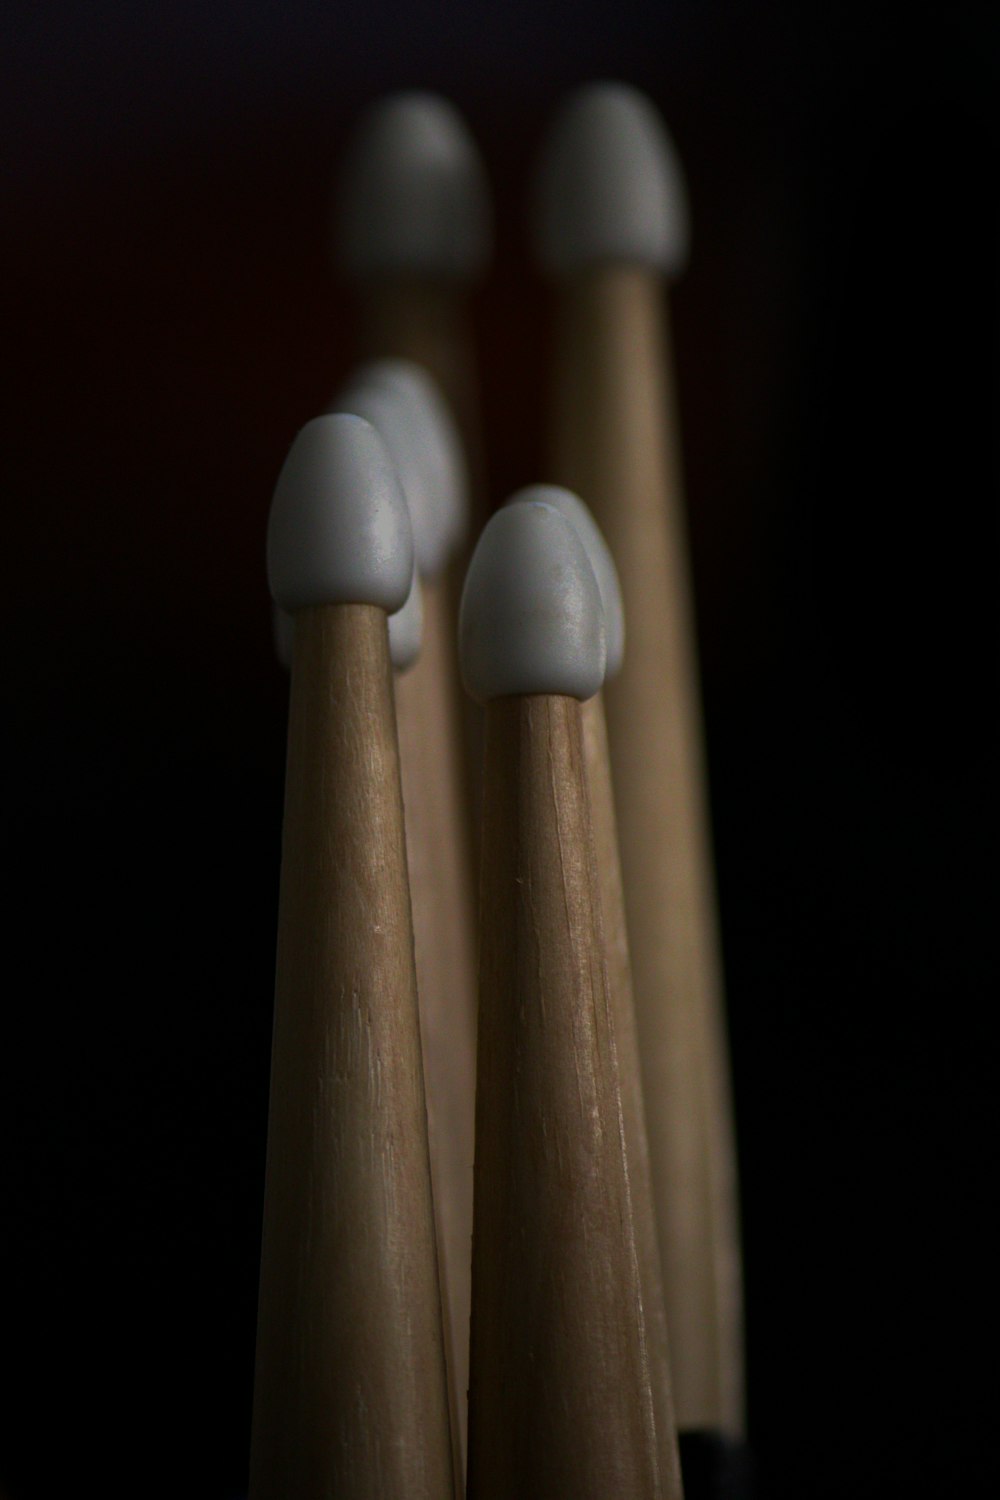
(172, 321)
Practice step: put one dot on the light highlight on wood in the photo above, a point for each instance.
(442, 889)
(350, 1394)
(560, 1400)
(595, 748)
(614, 441)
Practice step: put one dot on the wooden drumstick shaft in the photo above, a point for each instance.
(406, 407)
(414, 233)
(442, 890)
(560, 1397)
(350, 1394)
(614, 439)
(560, 1401)
(428, 320)
(350, 1390)
(608, 864)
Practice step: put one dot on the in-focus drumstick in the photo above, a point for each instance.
(610, 222)
(413, 232)
(560, 1401)
(406, 629)
(595, 745)
(350, 1390)
(402, 402)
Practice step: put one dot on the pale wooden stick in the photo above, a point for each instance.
(427, 319)
(441, 886)
(610, 221)
(560, 1398)
(350, 1396)
(614, 438)
(443, 932)
(403, 403)
(595, 744)
(608, 863)
(351, 1389)
(414, 232)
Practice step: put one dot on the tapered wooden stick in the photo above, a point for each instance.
(350, 1393)
(402, 402)
(440, 862)
(560, 1397)
(608, 865)
(413, 233)
(610, 218)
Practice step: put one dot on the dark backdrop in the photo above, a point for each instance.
(172, 321)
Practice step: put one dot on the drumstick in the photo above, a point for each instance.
(403, 404)
(610, 221)
(595, 746)
(406, 629)
(559, 1400)
(413, 232)
(350, 1390)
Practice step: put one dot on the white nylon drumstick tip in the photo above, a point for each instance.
(413, 194)
(599, 556)
(403, 402)
(609, 185)
(339, 530)
(531, 619)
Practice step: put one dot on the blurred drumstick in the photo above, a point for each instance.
(350, 1390)
(610, 222)
(560, 1401)
(404, 405)
(413, 232)
(595, 746)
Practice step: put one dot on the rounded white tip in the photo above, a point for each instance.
(406, 628)
(413, 194)
(339, 530)
(531, 619)
(405, 405)
(599, 557)
(609, 185)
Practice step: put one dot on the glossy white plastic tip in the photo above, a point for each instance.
(406, 628)
(413, 194)
(599, 557)
(339, 530)
(405, 405)
(609, 185)
(531, 619)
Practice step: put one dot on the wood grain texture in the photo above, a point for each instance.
(615, 441)
(442, 886)
(596, 756)
(350, 1393)
(560, 1402)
